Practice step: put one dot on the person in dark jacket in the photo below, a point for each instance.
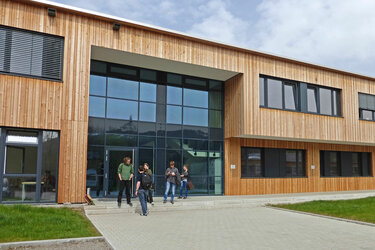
(149, 172)
(185, 177)
(141, 192)
(171, 174)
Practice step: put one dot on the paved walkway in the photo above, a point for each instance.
(253, 227)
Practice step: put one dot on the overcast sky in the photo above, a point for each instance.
(336, 33)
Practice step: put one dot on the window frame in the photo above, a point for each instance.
(301, 96)
(361, 109)
(8, 30)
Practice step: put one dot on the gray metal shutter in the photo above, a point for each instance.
(31, 53)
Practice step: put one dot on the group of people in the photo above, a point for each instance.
(144, 184)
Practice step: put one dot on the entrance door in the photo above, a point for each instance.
(113, 158)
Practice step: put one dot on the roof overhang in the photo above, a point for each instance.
(156, 63)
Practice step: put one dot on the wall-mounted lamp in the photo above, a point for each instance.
(51, 12)
(116, 26)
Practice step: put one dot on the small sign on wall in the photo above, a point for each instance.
(232, 166)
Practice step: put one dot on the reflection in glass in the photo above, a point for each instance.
(196, 98)
(333, 164)
(198, 162)
(50, 165)
(290, 99)
(146, 128)
(274, 95)
(121, 140)
(174, 130)
(215, 186)
(148, 92)
(196, 132)
(367, 115)
(356, 165)
(311, 100)
(261, 91)
(215, 119)
(174, 78)
(146, 74)
(216, 100)
(95, 171)
(147, 141)
(19, 189)
(195, 82)
(215, 164)
(215, 85)
(98, 85)
(121, 88)
(251, 162)
(325, 101)
(174, 114)
(21, 160)
(195, 116)
(122, 109)
(147, 112)
(174, 95)
(121, 126)
(97, 106)
(173, 143)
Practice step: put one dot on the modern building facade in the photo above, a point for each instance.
(80, 90)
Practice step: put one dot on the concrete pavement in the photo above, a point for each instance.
(251, 227)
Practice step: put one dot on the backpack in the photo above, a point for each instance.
(146, 181)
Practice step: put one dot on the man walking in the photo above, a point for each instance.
(143, 184)
(125, 174)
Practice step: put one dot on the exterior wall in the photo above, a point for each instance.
(235, 185)
(34, 103)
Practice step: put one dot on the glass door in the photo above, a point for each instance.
(113, 158)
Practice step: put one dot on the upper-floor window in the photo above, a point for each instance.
(298, 96)
(30, 53)
(366, 107)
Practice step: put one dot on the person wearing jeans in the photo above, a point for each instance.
(141, 192)
(185, 178)
(171, 174)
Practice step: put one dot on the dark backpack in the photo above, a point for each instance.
(146, 181)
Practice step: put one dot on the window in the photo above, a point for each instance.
(251, 162)
(124, 89)
(347, 164)
(274, 94)
(366, 107)
(311, 100)
(272, 162)
(195, 98)
(122, 109)
(195, 116)
(298, 96)
(31, 53)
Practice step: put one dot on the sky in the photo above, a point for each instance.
(334, 33)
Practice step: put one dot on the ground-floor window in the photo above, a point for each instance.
(272, 162)
(29, 165)
(339, 163)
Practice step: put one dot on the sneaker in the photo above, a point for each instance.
(152, 203)
(130, 204)
(143, 214)
(164, 201)
(180, 197)
(185, 197)
(172, 202)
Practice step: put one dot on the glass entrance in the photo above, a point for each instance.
(114, 157)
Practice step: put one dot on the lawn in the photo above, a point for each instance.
(23, 223)
(359, 209)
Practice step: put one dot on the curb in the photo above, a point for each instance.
(323, 216)
(52, 243)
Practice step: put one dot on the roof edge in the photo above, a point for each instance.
(154, 28)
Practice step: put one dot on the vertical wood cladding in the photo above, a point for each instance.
(35, 103)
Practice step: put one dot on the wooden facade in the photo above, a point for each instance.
(63, 106)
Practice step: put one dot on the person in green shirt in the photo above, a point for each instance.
(125, 174)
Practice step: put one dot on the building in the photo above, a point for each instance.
(80, 90)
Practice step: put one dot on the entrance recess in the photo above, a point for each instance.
(113, 158)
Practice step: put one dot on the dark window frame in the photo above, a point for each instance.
(300, 97)
(361, 109)
(8, 50)
(342, 167)
(280, 151)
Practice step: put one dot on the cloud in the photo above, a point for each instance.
(216, 22)
(332, 32)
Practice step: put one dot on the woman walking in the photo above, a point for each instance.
(171, 174)
(185, 178)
